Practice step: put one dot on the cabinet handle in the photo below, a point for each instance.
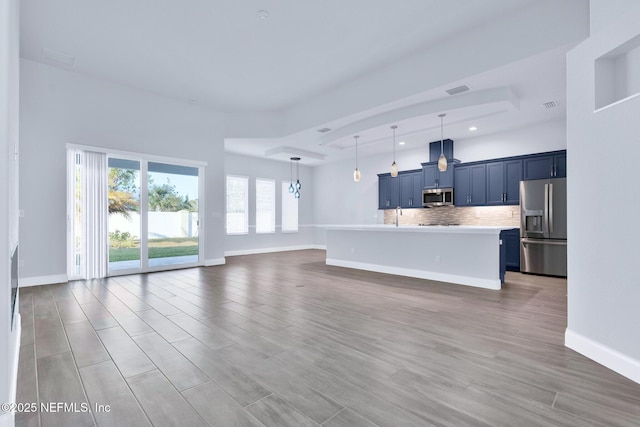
(551, 170)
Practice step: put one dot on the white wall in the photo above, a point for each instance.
(254, 167)
(603, 284)
(603, 12)
(59, 107)
(9, 81)
(340, 200)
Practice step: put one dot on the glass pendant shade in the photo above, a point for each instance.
(295, 188)
(442, 163)
(394, 169)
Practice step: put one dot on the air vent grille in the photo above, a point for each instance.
(58, 59)
(550, 104)
(457, 90)
(324, 130)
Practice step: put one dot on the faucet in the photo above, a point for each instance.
(398, 209)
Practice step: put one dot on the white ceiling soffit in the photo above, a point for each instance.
(463, 107)
(286, 152)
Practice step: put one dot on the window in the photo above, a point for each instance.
(265, 206)
(237, 205)
(289, 210)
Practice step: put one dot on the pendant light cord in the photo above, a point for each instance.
(394, 143)
(442, 133)
(356, 137)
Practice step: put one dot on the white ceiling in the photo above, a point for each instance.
(221, 55)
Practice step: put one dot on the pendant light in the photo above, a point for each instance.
(356, 173)
(291, 189)
(394, 165)
(442, 161)
(297, 185)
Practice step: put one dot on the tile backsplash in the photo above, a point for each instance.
(473, 215)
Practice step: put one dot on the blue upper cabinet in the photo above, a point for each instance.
(470, 185)
(410, 189)
(433, 178)
(560, 163)
(462, 189)
(430, 175)
(446, 179)
(503, 182)
(388, 191)
(548, 165)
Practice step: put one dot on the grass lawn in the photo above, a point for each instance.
(158, 248)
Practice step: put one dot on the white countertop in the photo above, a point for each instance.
(464, 229)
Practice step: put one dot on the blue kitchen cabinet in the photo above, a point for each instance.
(560, 162)
(433, 178)
(411, 189)
(548, 165)
(430, 175)
(388, 191)
(511, 243)
(470, 185)
(503, 182)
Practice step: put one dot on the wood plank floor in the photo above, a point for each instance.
(284, 340)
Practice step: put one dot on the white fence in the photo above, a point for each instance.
(161, 224)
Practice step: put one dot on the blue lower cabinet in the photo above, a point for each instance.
(511, 243)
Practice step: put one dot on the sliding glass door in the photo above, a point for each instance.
(157, 228)
(172, 214)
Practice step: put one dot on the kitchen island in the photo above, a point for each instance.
(465, 255)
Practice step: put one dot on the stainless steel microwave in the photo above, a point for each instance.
(432, 197)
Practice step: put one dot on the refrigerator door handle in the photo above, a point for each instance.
(544, 242)
(550, 209)
(545, 216)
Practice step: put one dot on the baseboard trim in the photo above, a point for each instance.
(271, 250)
(420, 274)
(25, 282)
(214, 261)
(606, 356)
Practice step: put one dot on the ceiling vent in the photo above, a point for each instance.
(550, 104)
(457, 90)
(324, 130)
(57, 59)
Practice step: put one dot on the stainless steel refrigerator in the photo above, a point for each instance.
(543, 226)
